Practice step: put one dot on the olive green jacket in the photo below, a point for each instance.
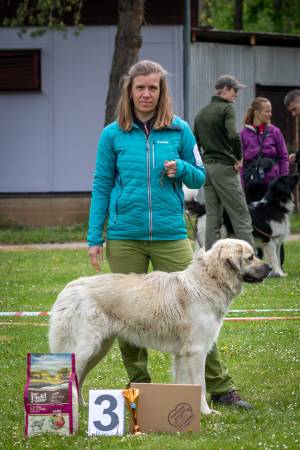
(215, 132)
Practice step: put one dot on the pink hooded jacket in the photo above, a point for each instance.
(273, 147)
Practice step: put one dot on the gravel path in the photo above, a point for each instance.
(64, 246)
(75, 245)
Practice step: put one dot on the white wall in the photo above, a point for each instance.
(48, 139)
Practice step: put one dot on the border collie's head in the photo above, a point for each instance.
(281, 189)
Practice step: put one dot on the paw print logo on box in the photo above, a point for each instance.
(180, 417)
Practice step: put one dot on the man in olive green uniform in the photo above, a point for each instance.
(215, 132)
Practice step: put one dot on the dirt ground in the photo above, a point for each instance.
(76, 245)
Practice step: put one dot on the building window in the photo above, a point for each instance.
(20, 70)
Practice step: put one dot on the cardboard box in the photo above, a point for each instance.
(168, 407)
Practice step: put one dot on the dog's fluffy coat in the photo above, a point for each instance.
(179, 312)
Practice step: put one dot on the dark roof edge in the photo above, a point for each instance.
(245, 38)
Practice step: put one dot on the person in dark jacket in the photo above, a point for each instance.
(216, 133)
(292, 103)
(262, 140)
(143, 159)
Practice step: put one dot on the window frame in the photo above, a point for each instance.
(20, 70)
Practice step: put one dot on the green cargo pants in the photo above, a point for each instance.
(168, 256)
(223, 190)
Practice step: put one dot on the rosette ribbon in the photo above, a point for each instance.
(131, 396)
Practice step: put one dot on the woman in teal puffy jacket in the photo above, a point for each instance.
(143, 159)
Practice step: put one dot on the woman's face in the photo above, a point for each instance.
(263, 115)
(145, 95)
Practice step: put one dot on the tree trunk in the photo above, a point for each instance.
(238, 14)
(128, 42)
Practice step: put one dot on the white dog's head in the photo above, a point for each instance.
(237, 256)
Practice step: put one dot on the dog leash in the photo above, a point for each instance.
(265, 234)
(193, 228)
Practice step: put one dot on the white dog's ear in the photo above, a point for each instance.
(236, 258)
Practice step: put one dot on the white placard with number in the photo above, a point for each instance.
(106, 412)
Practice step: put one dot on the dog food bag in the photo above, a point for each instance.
(51, 394)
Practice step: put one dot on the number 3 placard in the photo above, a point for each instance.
(106, 412)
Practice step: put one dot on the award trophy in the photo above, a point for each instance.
(131, 398)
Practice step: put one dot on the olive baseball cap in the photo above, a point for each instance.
(228, 81)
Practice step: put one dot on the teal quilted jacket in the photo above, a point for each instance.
(131, 187)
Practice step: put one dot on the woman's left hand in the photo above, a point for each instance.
(170, 168)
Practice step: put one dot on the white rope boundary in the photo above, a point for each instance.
(231, 311)
(227, 319)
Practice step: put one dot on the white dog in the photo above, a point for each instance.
(179, 312)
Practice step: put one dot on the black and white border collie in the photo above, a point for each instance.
(270, 218)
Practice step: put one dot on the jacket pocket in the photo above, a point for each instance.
(162, 151)
(113, 207)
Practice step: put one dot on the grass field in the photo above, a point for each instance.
(263, 358)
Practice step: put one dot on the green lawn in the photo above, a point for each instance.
(19, 234)
(263, 358)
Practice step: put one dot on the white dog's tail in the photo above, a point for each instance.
(60, 328)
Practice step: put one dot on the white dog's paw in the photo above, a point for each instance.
(208, 411)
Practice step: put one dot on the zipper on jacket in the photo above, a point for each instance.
(153, 155)
(147, 134)
(149, 186)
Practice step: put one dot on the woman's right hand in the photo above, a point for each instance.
(96, 256)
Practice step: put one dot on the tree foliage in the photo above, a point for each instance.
(277, 16)
(46, 15)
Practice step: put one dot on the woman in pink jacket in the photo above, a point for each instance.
(262, 140)
(259, 137)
